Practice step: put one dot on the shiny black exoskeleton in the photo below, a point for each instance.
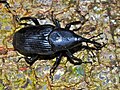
(49, 41)
(46, 41)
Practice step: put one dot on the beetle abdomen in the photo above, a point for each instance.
(33, 40)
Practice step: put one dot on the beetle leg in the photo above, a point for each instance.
(96, 36)
(67, 27)
(55, 21)
(18, 21)
(93, 55)
(89, 48)
(55, 65)
(30, 60)
(31, 18)
(71, 58)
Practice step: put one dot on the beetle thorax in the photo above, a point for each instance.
(62, 39)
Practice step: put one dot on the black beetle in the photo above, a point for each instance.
(46, 41)
(49, 41)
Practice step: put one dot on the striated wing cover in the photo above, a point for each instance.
(33, 40)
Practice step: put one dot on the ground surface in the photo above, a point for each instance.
(103, 17)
